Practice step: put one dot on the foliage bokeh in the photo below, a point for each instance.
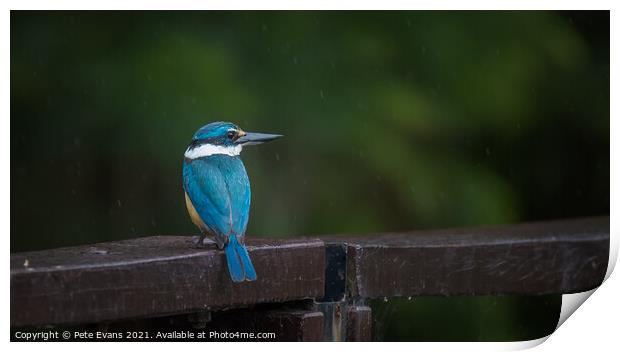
(393, 121)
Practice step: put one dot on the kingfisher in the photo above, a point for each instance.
(217, 191)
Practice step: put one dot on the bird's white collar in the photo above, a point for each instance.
(210, 149)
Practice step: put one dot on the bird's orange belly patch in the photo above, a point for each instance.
(193, 214)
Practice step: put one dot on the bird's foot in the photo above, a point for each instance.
(203, 242)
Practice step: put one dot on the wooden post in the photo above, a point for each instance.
(359, 324)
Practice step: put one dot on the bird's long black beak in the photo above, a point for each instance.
(250, 138)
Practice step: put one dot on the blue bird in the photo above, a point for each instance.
(217, 190)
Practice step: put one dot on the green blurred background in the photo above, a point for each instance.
(394, 121)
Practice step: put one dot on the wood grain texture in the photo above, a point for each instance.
(155, 276)
(533, 258)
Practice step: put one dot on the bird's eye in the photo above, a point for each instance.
(231, 134)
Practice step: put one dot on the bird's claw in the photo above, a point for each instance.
(203, 242)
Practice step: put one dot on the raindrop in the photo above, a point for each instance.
(94, 250)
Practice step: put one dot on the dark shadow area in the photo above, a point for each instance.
(451, 318)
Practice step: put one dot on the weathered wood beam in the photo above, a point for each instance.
(533, 258)
(158, 276)
(155, 276)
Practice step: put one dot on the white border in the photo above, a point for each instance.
(593, 326)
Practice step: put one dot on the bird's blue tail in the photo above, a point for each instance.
(239, 264)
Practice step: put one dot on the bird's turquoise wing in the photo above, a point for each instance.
(219, 189)
(238, 186)
(206, 187)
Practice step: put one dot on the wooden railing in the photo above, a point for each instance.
(308, 289)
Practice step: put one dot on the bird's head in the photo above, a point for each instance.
(223, 138)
